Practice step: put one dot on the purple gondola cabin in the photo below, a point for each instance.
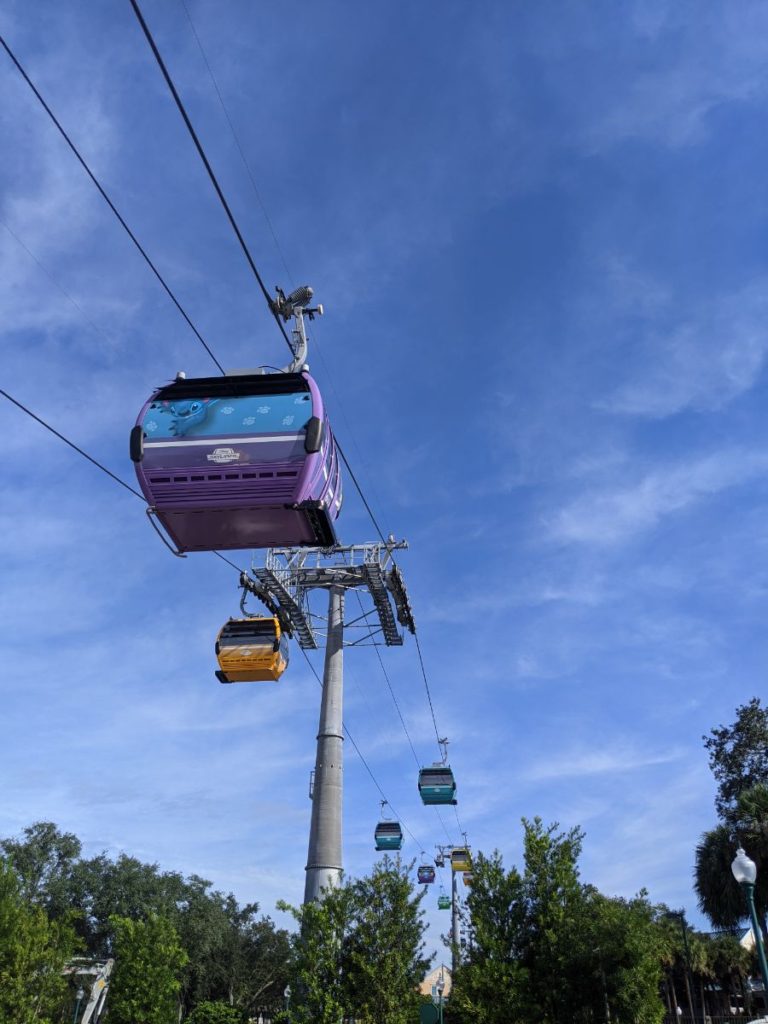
(241, 461)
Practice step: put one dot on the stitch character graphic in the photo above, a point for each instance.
(187, 415)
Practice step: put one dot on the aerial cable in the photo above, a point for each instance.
(397, 706)
(218, 554)
(95, 462)
(166, 287)
(235, 137)
(263, 207)
(72, 445)
(52, 279)
(445, 827)
(224, 559)
(426, 687)
(461, 827)
(384, 541)
(141, 497)
(209, 169)
(108, 201)
(393, 695)
(359, 490)
(359, 754)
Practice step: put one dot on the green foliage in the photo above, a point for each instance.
(318, 991)
(738, 757)
(552, 894)
(359, 951)
(620, 958)
(214, 1013)
(384, 951)
(43, 861)
(718, 893)
(546, 949)
(33, 951)
(234, 954)
(730, 964)
(492, 983)
(148, 961)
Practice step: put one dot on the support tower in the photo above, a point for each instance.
(284, 583)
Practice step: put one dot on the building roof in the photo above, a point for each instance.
(428, 987)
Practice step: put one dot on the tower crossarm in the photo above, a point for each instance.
(374, 578)
(259, 590)
(290, 608)
(396, 586)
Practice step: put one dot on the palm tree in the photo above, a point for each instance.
(731, 965)
(719, 896)
(718, 893)
(672, 955)
(702, 965)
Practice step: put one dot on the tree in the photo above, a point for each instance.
(359, 951)
(101, 888)
(384, 951)
(491, 984)
(738, 757)
(214, 1013)
(317, 968)
(731, 965)
(146, 981)
(546, 949)
(717, 891)
(619, 962)
(43, 861)
(553, 901)
(234, 955)
(33, 951)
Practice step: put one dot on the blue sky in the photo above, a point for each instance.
(538, 231)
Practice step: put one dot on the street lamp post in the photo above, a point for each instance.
(745, 872)
(440, 988)
(79, 995)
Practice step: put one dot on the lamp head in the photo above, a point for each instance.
(744, 869)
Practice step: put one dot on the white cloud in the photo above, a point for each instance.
(613, 514)
(703, 362)
(578, 763)
(714, 60)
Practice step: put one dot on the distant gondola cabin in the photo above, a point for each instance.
(460, 859)
(388, 835)
(437, 785)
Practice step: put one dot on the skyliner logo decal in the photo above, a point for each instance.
(223, 455)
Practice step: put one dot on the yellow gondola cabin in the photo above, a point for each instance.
(251, 651)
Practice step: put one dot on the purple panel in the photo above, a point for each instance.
(230, 529)
(226, 486)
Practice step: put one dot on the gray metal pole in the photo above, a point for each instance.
(749, 892)
(455, 933)
(324, 856)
